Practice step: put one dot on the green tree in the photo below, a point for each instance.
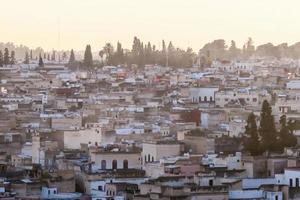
(1, 58)
(72, 57)
(108, 50)
(31, 56)
(163, 56)
(249, 48)
(118, 57)
(26, 61)
(88, 57)
(149, 54)
(267, 128)
(53, 56)
(286, 136)
(101, 54)
(41, 62)
(12, 58)
(6, 57)
(233, 50)
(251, 141)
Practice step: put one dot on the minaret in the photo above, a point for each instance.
(36, 148)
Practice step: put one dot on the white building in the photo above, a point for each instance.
(203, 94)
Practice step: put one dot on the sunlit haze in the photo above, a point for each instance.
(66, 24)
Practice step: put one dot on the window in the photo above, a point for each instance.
(114, 164)
(125, 164)
(100, 188)
(254, 99)
(297, 182)
(205, 99)
(148, 157)
(291, 182)
(103, 164)
(211, 182)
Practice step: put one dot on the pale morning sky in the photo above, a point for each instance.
(185, 22)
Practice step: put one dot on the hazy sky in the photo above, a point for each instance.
(185, 22)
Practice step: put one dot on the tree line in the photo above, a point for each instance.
(218, 49)
(140, 54)
(7, 58)
(266, 138)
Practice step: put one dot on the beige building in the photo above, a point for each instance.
(199, 144)
(155, 150)
(116, 159)
(61, 124)
(74, 139)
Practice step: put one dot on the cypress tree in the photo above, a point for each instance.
(41, 62)
(88, 57)
(6, 57)
(12, 58)
(1, 58)
(251, 142)
(267, 128)
(119, 57)
(26, 61)
(72, 57)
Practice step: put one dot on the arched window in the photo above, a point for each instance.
(114, 164)
(148, 157)
(211, 99)
(125, 164)
(152, 159)
(103, 164)
(205, 98)
(200, 99)
(145, 160)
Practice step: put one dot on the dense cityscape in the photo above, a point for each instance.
(129, 124)
(149, 100)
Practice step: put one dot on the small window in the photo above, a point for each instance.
(211, 182)
(100, 188)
